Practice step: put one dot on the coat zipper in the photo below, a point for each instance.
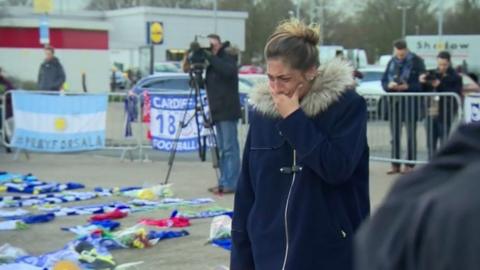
(286, 210)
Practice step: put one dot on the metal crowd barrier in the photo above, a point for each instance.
(405, 128)
(116, 120)
(408, 128)
(138, 144)
(2, 116)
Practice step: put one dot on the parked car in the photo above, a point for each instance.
(160, 67)
(250, 69)
(384, 59)
(370, 87)
(251, 81)
(371, 73)
(178, 83)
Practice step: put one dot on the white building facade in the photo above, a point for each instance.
(90, 42)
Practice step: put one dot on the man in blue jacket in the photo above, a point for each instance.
(401, 76)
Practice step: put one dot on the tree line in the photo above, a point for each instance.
(372, 26)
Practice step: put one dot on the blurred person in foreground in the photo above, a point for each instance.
(429, 220)
(442, 111)
(51, 75)
(401, 76)
(303, 188)
(8, 128)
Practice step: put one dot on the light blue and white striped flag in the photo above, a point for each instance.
(58, 123)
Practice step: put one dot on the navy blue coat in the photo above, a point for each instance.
(325, 188)
(51, 75)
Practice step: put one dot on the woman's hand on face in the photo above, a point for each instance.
(287, 105)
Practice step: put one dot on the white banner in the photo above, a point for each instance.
(166, 112)
(472, 108)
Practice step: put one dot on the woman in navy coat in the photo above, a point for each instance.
(303, 189)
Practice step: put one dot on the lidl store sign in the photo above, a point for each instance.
(42, 6)
(154, 33)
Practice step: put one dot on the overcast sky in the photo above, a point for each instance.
(352, 6)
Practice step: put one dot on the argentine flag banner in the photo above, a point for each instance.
(58, 123)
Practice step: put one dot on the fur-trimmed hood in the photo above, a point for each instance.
(333, 78)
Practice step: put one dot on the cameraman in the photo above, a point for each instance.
(221, 81)
(442, 110)
(401, 76)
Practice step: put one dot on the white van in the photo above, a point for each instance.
(328, 52)
(358, 57)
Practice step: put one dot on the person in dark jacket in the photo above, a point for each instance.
(429, 220)
(8, 129)
(442, 110)
(51, 75)
(303, 188)
(221, 81)
(401, 76)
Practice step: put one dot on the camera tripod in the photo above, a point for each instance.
(199, 114)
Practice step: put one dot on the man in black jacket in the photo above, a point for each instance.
(442, 110)
(224, 102)
(51, 75)
(429, 220)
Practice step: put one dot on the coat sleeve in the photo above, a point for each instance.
(226, 65)
(39, 76)
(333, 156)
(414, 84)
(241, 256)
(60, 77)
(458, 85)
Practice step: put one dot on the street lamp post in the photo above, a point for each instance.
(298, 9)
(404, 8)
(440, 18)
(215, 16)
(323, 13)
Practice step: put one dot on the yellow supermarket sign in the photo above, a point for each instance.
(155, 32)
(42, 6)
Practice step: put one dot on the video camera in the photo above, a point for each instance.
(200, 47)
